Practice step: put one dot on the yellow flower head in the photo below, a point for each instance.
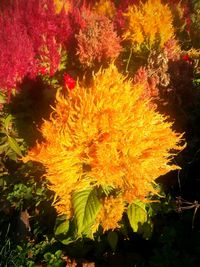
(105, 7)
(103, 135)
(62, 4)
(111, 212)
(149, 24)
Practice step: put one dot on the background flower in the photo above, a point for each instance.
(97, 41)
(36, 38)
(149, 24)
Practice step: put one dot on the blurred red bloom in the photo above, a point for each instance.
(69, 82)
(186, 58)
(43, 70)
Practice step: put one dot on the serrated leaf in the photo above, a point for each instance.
(137, 214)
(14, 145)
(62, 228)
(86, 206)
(112, 239)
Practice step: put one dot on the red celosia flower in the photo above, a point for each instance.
(16, 51)
(33, 25)
(69, 82)
(43, 70)
(186, 58)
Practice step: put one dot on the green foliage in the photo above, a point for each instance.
(177, 245)
(54, 260)
(64, 230)
(112, 239)
(62, 225)
(137, 215)
(24, 191)
(10, 145)
(86, 206)
(20, 193)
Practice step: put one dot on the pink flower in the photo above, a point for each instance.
(69, 82)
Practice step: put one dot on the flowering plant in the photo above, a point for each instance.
(105, 136)
(95, 97)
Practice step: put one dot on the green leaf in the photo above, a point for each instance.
(48, 256)
(3, 147)
(67, 241)
(137, 214)
(62, 228)
(7, 122)
(19, 248)
(14, 145)
(146, 229)
(112, 239)
(58, 253)
(86, 206)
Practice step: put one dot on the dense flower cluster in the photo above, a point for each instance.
(105, 135)
(105, 7)
(36, 36)
(149, 24)
(65, 5)
(97, 40)
(111, 212)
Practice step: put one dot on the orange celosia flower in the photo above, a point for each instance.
(105, 135)
(63, 4)
(149, 24)
(105, 7)
(111, 212)
(97, 40)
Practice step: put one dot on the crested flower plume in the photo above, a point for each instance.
(149, 24)
(97, 40)
(122, 7)
(65, 5)
(35, 41)
(111, 212)
(105, 135)
(105, 7)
